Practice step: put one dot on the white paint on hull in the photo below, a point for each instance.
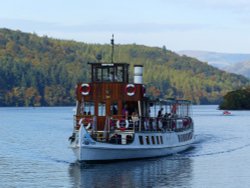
(95, 154)
(96, 151)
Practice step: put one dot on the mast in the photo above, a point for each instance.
(112, 49)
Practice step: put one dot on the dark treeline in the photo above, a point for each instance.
(40, 71)
(236, 100)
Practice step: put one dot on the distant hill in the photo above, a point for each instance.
(242, 68)
(220, 60)
(41, 71)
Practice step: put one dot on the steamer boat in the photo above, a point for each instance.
(116, 120)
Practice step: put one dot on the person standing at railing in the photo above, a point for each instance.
(114, 110)
(160, 113)
(135, 119)
(125, 112)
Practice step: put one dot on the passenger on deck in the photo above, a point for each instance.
(160, 114)
(125, 111)
(135, 118)
(114, 110)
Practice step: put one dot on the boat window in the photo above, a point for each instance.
(155, 108)
(110, 73)
(98, 75)
(153, 139)
(101, 109)
(180, 110)
(141, 140)
(157, 139)
(184, 110)
(86, 108)
(120, 74)
(161, 139)
(147, 140)
(152, 110)
(105, 74)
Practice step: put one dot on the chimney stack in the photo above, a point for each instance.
(138, 72)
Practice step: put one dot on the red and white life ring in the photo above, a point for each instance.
(85, 89)
(86, 121)
(121, 122)
(130, 89)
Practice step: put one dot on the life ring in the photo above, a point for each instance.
(119, 123)
(88, 126)
(87, 122)
(130, 90)
(79, 124)
(85, 89)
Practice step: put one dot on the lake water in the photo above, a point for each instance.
(34, 153)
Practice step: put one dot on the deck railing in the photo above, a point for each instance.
(120, 130)
(138, 124)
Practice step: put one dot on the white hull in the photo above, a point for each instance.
(97, 151)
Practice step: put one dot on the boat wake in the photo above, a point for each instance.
(208, 145)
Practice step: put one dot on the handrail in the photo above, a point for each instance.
(124, 134)
(153, 123)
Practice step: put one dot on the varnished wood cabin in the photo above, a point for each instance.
(109, 92)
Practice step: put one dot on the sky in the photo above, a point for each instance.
(207, 25)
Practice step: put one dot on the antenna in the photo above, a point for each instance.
(112, 49)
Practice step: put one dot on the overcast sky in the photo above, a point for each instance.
(211, 25)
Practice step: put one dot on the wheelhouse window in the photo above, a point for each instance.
(108, 72)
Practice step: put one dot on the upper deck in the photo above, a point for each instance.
(111, 80)
(110, 87)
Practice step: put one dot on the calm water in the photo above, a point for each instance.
(34, 153)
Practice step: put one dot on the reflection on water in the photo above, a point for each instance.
(160, 172)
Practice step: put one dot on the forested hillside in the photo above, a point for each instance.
(236, 100)
(37, 71)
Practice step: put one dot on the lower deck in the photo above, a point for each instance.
(121, 131)
(121, 145)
